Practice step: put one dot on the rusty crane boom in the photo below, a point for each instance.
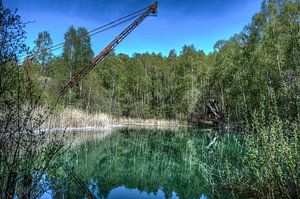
(152, 9)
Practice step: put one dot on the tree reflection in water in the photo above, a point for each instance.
(154, 164)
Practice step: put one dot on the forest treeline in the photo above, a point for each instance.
(259, 67)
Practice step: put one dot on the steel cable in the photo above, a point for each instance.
(94, 31)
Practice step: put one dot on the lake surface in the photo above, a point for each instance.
(140, 163)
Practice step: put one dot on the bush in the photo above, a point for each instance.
(271, 164)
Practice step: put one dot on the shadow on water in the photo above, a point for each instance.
(186, 163)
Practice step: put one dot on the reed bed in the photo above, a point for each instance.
(77, 119)
(74, 118)
(147, 122)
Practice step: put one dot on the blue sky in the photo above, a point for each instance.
(179, 22)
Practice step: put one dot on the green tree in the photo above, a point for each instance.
(26, 153)
(42, 54)
(76, 54)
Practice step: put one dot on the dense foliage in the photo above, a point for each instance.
(259, 64)
(26, 153)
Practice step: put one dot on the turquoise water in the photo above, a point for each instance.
(128, 163)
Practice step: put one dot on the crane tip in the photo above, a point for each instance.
(153, 7)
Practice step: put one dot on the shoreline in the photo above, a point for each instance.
(78, 120)
(111, 127)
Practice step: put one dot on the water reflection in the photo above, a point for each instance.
(151, 164)
(123, 192)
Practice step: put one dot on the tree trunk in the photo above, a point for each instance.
(27, 183)
(11, 185)
(89, 97)
(111, 98)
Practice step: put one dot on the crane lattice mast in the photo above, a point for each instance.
(152, 9)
